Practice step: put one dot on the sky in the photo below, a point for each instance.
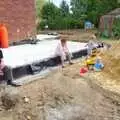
(57, 2)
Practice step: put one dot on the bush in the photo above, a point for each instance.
(41, 25)
(105, 34)
(61, 23)
(116, 28)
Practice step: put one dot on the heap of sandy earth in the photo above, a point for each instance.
(109, 78)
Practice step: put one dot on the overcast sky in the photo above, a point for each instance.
(57, 2)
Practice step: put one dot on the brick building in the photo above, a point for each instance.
(19, 17)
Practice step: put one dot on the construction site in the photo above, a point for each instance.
(47, 88)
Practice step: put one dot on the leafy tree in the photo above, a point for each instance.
(64, 8)
(50, 11)
(79, 7)
(97, 8)
(39, 5)
(61, 18)
(93, 9)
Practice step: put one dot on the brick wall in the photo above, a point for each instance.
(19, 17)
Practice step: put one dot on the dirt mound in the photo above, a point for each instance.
(9, 98)
(111, 60)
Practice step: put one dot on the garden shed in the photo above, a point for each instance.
(107, 22)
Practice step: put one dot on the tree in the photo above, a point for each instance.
(97, 8)
(64, 8)
(79, 7)
(49, 11)
(39, 5)
(61, 18)
(92, 9)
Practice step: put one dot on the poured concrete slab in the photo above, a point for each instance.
(17, 56)
(46, 37)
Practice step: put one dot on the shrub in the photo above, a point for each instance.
(116, 28)
(61, 23)
(41, 25)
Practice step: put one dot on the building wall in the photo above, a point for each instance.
(19, 17)
(106, 25)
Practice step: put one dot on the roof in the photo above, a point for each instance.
(115, 12)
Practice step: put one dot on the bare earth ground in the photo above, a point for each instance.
(64, 95)
(76, 35)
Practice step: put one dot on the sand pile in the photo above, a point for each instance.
(111, 60)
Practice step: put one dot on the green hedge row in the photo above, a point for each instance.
(61, 23)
